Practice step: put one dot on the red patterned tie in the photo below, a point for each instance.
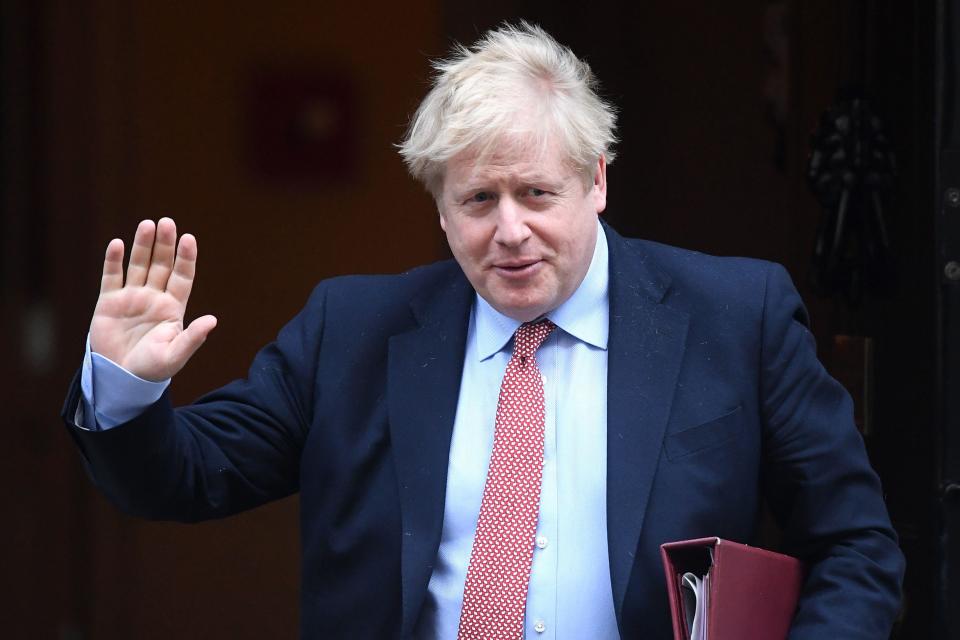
(495, 593)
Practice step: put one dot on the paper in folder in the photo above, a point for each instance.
(722, 590)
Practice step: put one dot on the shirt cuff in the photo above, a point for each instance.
(111, 394)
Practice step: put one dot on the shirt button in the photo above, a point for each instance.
(542, 542)
(539, 627)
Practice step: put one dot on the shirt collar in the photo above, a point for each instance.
(585, 315)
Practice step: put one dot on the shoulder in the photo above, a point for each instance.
(704, 276)
(378, 302)
(343, 308)
(385, 289)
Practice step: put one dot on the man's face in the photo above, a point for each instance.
(522, 225)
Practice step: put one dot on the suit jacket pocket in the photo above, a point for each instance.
(702, 437)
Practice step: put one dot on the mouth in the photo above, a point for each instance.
(517, 268)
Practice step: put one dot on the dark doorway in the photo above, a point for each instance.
(718, 102)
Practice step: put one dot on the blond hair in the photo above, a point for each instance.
(516, 82)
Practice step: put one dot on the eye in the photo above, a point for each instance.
(479, 197)
(536, 193)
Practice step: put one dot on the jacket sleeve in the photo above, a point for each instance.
(820, 485)
(231, 450)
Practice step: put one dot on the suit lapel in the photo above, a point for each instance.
(423, 377)
(645, 352)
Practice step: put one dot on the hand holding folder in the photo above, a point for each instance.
(722, 590)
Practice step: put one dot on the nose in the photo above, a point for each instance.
(512, 229)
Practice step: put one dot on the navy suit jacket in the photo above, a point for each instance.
(715, 403)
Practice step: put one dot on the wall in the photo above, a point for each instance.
(144, 110)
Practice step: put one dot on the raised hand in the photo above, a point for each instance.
(139, 323)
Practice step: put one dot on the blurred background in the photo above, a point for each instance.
(817, 133)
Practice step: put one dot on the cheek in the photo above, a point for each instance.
(463, 247)
(472, 238)
(577, 247)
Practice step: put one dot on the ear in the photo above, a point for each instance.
(443, 218)
(436, 190)
(599, 187)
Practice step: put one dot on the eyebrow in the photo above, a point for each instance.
(483, 181)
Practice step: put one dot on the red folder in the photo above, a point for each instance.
(752, 593)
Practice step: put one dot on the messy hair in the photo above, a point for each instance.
(516, 82)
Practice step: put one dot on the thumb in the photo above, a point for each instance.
(190, 339)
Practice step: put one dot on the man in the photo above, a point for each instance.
(496, 446)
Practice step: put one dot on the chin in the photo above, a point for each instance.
(524, 312)
(520, 305)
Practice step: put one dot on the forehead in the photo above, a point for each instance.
(510, 159)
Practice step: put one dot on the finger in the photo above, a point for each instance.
(184, 269)
(140, 254)
(161, 262)
(112, 278)
(190, 339)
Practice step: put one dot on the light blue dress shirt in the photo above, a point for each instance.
(111, 394)
(570, 594)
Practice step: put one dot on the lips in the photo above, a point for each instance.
(517, 268)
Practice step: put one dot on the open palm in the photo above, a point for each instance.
(139, 323)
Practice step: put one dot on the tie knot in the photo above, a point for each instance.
(529, 337)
